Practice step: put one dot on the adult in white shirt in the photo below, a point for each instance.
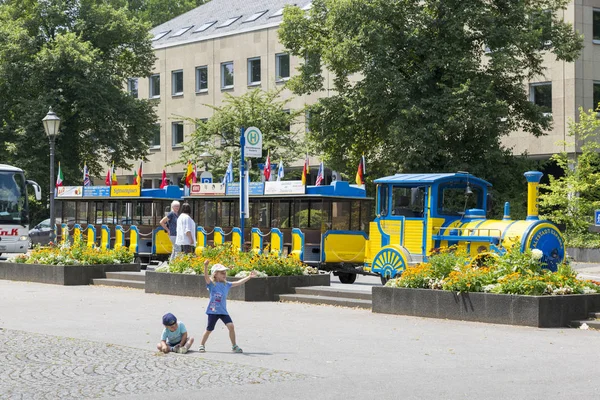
(186, 230)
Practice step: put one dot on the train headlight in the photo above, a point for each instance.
(23, 238)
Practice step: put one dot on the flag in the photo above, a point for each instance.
(107, 180)
(228, 178)
(113, 176)
(267, 168)
(280, 170)
(360, 174)
(189, 174)
(163, 182)
(305, 171)
(137, 176)
(59, 177)
(195, 174)
(86, 176)
(320, 175)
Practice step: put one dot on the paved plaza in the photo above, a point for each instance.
(99, 342)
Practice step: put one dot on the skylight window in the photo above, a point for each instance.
(307, 7)
(255, 16)
(279, 13)
(160, 35)
(229, 22)
(205, 26)
(182, 31)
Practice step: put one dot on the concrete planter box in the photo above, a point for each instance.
(60, 274)
(584, 255)
(538, 311)
(256, 289)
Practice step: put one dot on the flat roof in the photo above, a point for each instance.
(431, 178)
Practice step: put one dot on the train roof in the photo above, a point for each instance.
(414, 179)
(5, 167)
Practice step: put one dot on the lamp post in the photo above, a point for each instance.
(51, 124)
(206, 157)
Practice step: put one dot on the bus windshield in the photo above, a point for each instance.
(13, 198)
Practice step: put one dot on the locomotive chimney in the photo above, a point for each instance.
(533, 181)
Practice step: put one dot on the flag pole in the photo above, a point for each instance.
(242, 186)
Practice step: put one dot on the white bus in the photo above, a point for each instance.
(14, 209)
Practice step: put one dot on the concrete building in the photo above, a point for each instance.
(232, 46)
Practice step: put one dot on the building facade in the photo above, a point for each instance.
(232, 47)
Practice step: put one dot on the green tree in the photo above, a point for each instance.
(424, 86)
(75, 56)
(220, 135)
(571, 199)
(157, 12)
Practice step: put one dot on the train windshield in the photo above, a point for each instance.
(13, 198)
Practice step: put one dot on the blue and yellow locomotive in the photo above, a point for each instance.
(417, 213)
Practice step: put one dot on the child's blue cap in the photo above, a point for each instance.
(169, 319)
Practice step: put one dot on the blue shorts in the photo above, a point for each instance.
(213, 318)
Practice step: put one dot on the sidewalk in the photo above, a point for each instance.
(587, 270)
(100, 341)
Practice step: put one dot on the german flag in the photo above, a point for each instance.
(305, 170)
(360, 174)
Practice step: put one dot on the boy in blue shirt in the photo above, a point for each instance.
(218, 287)
(174, 337)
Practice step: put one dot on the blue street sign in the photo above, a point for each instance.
(597, 217)
(205, 180)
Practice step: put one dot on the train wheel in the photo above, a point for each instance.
(389, 263)
(346, 277)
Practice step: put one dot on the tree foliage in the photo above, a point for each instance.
(220, 135)
(425, 86)
(571, 199)
(76, 56)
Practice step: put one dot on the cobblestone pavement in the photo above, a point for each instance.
(35, 366)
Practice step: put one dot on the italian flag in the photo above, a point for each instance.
(59, 178)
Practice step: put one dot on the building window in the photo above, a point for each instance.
(227, 75)
(596, 26)
(204, 26)
(254, 71)
(177, 83)
(177, 134)
(201, 79)
(154, 86)
(182, 31)
(132, 87)
(541, 95)
(282, 67)
(156, 136)
(596, 95)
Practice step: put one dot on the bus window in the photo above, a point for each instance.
(408, 202)
(210, 213)
(382, 198)
(282, 214)
(341, 215)
(355, 217)
(99, 212)
(146, 213)
(317, 217)
(125, 216)
(82, 212)
(452, 199)
(263, 214)
(91, 212)
(68, 212)
(300, 215)
(110, 213)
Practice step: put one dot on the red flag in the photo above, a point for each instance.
(267, 169)
(163, 182)
(305, 171)
(107, 180)
(195, 175)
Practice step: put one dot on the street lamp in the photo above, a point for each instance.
(51, 125)
(206, 157)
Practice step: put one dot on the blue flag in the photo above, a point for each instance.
(228, 178)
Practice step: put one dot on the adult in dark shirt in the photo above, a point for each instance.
(169, 224)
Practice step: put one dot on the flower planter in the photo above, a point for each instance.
(256, 289)
(580, 254)
(60, 274)
(538, 311)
